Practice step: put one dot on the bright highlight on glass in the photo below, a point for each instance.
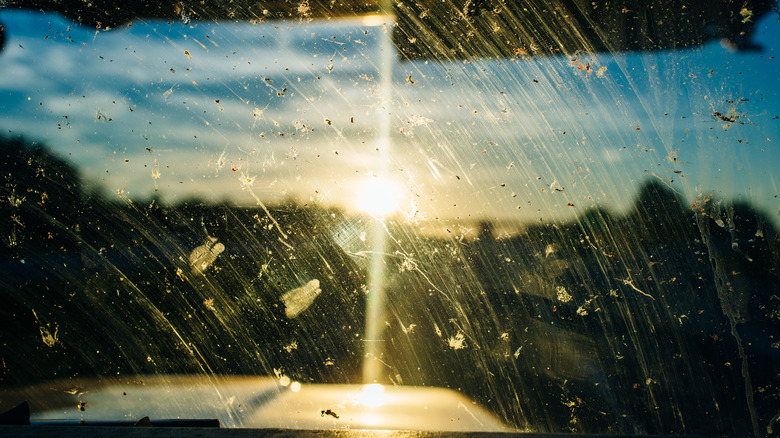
(373, 395)
(378, 197)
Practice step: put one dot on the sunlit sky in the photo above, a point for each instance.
(292, 110)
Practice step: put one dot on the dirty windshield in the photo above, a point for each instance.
(567, 212)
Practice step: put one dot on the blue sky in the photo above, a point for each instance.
(295, 107)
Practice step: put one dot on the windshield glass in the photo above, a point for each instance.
(567, 212)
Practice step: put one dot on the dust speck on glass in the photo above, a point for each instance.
(566, 211)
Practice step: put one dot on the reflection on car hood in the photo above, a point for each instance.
(266, 402)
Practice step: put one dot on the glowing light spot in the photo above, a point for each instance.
(373, 395)
(284, 380)
(295, 386)
(378, 197)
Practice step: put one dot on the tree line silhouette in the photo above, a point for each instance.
(661, 320)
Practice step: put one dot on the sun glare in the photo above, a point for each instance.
(373, 395)
(378, 197)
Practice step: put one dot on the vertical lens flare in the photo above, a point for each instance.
(375, 303)
(375, 308)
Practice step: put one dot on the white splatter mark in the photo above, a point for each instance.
(414, 121)
(291, 346)
(15, 201)
(457, 342)
(203, 256)
(563, 295)
(303, 8)
(156, 173)
(246, 180)
(298, 300)
(583, 309)
(170, 91)
(49, 338)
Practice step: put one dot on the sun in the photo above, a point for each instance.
(378, 196)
